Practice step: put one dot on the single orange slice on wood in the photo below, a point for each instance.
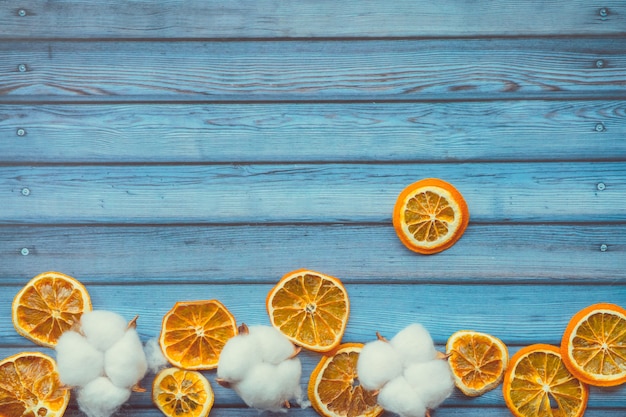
(430, 215)
(180, 393)
(538, 384)
(478, 361)
(594, 345)
(50, 304)
(334, 390)
(30, 386)
(309, 308)
(194, 333)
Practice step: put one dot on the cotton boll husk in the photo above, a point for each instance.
(431, 380)
(262, 388)
(125, 362)
(273, 345)
(103, 328)
(399, 397)
(238, 356)
(378, 363)
(414, 344)
(154, 355)
(78, 362)
(100, 398)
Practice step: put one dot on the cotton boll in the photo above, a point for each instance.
(238, 356)
(289, 373)
(273, 345)
(399, 397)
(414, 344)
(154, 355)
(378, 363)
(125, 362)
(262, 388)
(78, 362)
(100, 398)
(103, 328)
(431, 380)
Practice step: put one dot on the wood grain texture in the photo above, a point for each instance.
(533, 313)
(324, 70)
(310, 18)
(310, 193)
(228, 404)
(531, 254)
(275, 132)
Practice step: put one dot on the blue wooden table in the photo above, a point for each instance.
(182, 150)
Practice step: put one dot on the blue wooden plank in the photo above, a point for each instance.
(532, 254)
(302, 71)
(310, 18)
(283, 132)
(335, 193)
(519, 314)
(600, 398)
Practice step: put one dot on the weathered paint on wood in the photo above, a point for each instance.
(370, 253)
(324, 70)
(309, 18)
(311, 132)
(161, 151)
(312, 193)
(442, 308)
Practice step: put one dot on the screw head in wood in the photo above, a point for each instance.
(25, 191)
(603, 12)
(21, 132)
(21, 12)
(600, 63)
(600, 127)
(21, 68)
(601, 186)
(603, 247)
(24, 251)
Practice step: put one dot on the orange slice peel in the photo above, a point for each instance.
(430, 216)
(193, 333)
(48, 305)
(538, 384)
(310, 308)
(333, 387)
(594, 345)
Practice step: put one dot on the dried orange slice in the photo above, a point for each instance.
(30, 386)
(47, 306)
(309, 308)
(594, 345)
(478, 361)
(193, 333)
(430, 215)
(538, 384)
(180, 393)
(334, 390)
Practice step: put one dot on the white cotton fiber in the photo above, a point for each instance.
(431, 380)
(103, 328)
(289, 373)
(378, 363)
(414, 344)
(154, 355)
(397, 396)
(125, 362)
(262, 388)
(100, 398)
(78, 362)
(273, 345)
(239, 355)
(260, 366)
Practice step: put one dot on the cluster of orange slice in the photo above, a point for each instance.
(550, 380)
